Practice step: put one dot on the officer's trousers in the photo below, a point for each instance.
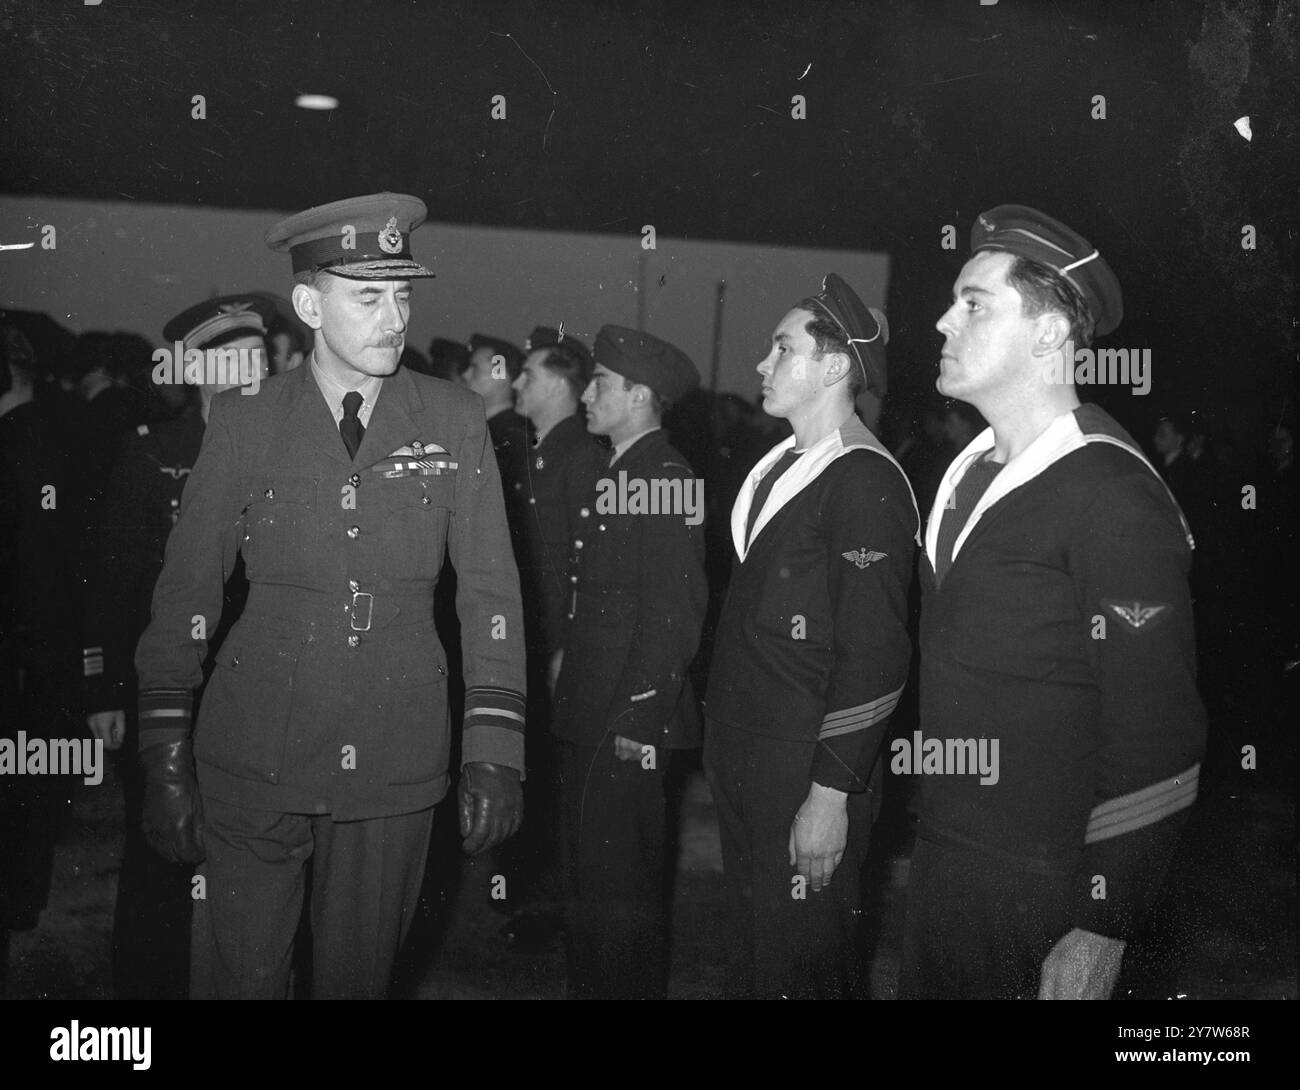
(787, 940)
(366, 879)
(978, 927)
(614, 817)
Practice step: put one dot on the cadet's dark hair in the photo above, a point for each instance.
(829, 337)
(1043, 289)
(570, 364)
(92, 352)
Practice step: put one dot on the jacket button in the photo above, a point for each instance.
(585, 512)
(234, 661)
(602, 527)
(353, 586)
(355, 480)
(354, 640)
(425, 500)
(269, 493)
(442, 669)
(578, 544)
(353, 531)
(573, 579)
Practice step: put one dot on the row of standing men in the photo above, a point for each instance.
(314, 740)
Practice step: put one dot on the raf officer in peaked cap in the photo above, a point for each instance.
(811, 655)
(151, 925)
(1056, 623)
(323, 733)
(623, 697)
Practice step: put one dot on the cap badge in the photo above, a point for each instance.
(985, 223)
(390, 238)
(417, 449)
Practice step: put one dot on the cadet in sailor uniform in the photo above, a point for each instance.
(811, 655)
(1056, 620)
(151, 924)
(323, 731)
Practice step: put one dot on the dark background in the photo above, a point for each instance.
(918, 115)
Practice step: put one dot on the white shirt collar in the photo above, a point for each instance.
(333, 392)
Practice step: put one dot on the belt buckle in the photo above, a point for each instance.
(370, 602)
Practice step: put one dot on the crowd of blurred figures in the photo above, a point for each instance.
(68, 402)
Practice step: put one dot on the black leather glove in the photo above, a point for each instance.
(172, 810)
(491, 805)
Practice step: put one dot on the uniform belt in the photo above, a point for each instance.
(358, 611)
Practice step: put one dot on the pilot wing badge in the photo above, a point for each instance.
(863, 557)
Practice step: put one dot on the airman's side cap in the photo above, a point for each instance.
(205, 322)
(361, 238)
(510, 353)
(1017, 229)
(543, 336)
(644, 358)
(864, 327)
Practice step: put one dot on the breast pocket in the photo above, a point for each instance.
(418, 511)
(280, 525)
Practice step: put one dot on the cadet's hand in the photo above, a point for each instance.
(625, 749)
(172, 810)
(553, 671)
(491, 805)
(1083, 965)
(108, 727)
(819, 834)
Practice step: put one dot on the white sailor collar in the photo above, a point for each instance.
(851, 435)
(1071, 431)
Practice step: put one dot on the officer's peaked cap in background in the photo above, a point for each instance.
(644, 358)
(1018, 229)
(361, 238)
(864, 327)
(204, 322)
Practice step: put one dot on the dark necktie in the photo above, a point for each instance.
(350, 427)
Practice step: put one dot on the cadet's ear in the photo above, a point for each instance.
(306, 304)
(1052, 333)
(837, 367)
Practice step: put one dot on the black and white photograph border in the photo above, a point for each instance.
(652, 191)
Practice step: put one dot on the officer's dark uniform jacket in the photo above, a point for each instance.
(812, 644)
(638, 598)
(137, 513)
(1064, 630)
(329, 695)
(560, 474)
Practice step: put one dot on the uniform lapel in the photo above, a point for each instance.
(309, 431)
